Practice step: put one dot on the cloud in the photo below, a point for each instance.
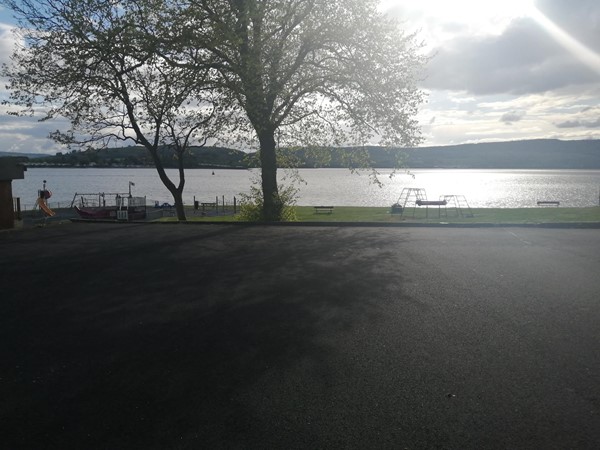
(27, 134)
(510, 117)
(579, 124)
(521, 60)
(7, 42)
(531, 116)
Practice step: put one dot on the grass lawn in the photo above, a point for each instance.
(421, 215)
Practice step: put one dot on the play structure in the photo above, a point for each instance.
(417, 198)
(459, 203)
(109, 206)
(42, 201)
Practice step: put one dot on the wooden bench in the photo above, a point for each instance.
(548, 203)
(323, 209)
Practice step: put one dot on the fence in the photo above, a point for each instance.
(219, 206)
(216, 206)
(154, 208)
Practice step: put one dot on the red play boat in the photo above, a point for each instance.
(109, 206)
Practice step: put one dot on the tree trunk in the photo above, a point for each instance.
(268, 161)
(178, 199)
(176, 192)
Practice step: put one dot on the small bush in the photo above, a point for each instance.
(251, 205)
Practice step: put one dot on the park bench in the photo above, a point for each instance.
(548, 203)
(323, 209)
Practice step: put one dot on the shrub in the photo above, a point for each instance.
(251, 205)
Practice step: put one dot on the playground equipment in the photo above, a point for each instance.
(42, 201)
(459, 203)
(407, 196)
(418, 197)
(109, 205)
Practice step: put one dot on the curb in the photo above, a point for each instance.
(559, 225)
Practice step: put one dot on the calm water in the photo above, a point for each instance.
(482, 188)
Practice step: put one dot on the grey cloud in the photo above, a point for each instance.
(569, 124)
(524, 59)
(29, 126)
(29, 135)
(579, 124)
(510, 117)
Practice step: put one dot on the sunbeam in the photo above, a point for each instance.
(585, 54)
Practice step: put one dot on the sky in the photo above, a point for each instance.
(498, 70)
(507, 69)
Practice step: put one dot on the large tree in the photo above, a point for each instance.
(95, 63)
(304, 71)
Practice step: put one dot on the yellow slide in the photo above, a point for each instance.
(42, 204)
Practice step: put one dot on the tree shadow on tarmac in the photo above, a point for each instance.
(120, 336)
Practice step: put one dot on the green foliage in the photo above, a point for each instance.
(251, 205)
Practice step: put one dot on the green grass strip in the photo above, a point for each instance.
(432, 215)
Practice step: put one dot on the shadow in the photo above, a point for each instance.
(177, 336)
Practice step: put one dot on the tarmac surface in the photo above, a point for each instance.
(173, 336)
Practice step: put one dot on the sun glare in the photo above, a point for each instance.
(472, 13)
(585, 54)
(437, 21)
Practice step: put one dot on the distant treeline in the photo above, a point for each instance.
(197, 157)
(532, 154)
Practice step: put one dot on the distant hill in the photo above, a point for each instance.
(528, 154)
(531, 154)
